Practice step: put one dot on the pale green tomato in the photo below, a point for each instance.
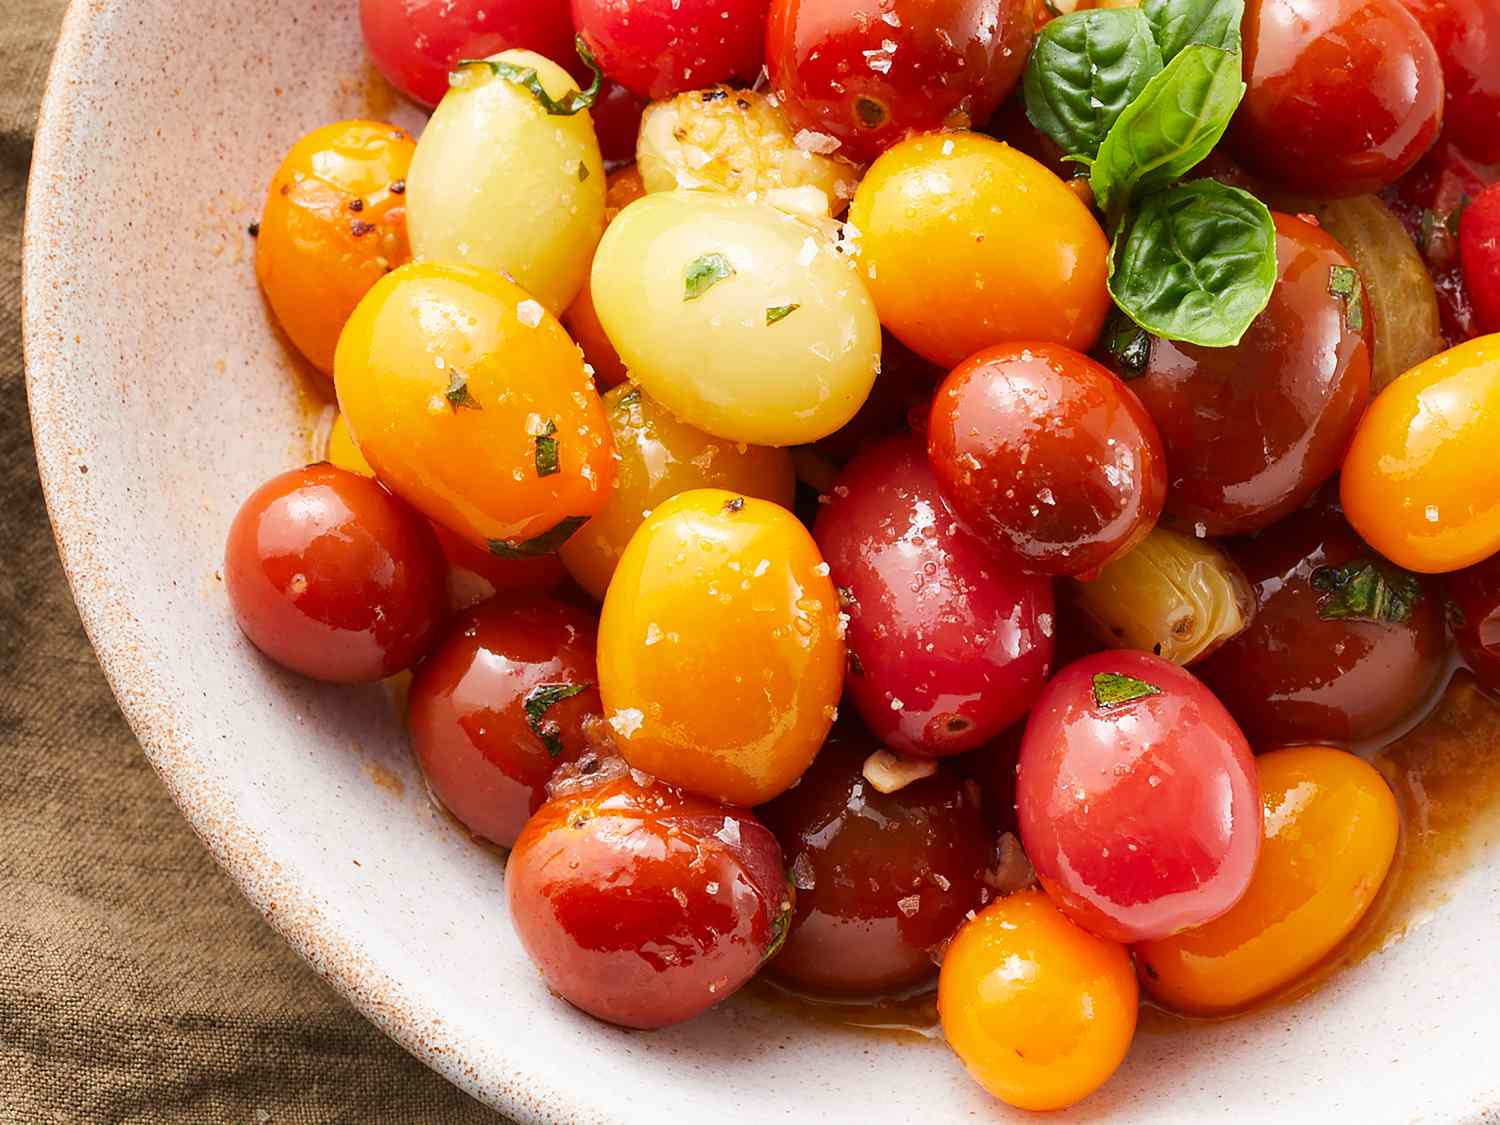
(499, 182)
(738, 318)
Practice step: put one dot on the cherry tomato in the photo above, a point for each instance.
(1329, 656)
(643, 905)
(1246, 451)
(1137, 798)
(1046, 457)
(866, 72)
(721, 654)
(1040, 1012)
(1466, 34)
(416, 42)
(881, 879)
(657, 48)
(582, 319)
(1331, 827)
(1475, 593)
(1418, 483)
(334, 224)
(965, 243)
(333, 577)
(499, 704)
(617, 121)
(472, 403)
(948, 645)
(1344, 95)
(1479, 251)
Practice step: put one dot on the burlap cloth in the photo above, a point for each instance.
(136, 985)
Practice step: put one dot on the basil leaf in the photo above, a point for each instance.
(1366, 589)
(1181, 23)
(1086, 68)
(546, 543)
(1170, 128)
(1115, 689)
(1197, 263)
(527, 78)
(1129, 343)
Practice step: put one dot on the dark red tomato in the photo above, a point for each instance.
(1011, 125)
(1302, 672)
(643, 905)
(657, 48)
(1475, 594)
(476, 575)
(416, 42)
(1251, 432)
(993, 769)
(332, 576)
(881, 879)
(899, 399)
(1137, 798)
(1344, 95)
(948, 645)
(617, 121)
(499, 704)
(1466, 34)
(1479, 252)
(1047, 457)
(867, 72)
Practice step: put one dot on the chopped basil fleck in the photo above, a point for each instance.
(1344, 283)
(1115, 689)
(541, 699)
(702, 274)
(544, 544)
(583, 171)
(1366, 589)
(458, 394)
(546, 450)
(779, 313)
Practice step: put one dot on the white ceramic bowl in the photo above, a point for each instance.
(160, 398)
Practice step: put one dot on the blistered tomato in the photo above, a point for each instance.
(1331, 827)
(472, 403)
(721, 655)
(659, 458)
(334, 224)
(657, 48)
(1040, 1012)
(582, 319)
(1419, 482)
(965, 242)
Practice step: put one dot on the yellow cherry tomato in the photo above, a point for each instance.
(1331, 827)
(334, 224)
(721, 651)
(1040, 1011)
(659, 458)
(472, 404)
(1419, 483)
(343, 453)
(966, 243)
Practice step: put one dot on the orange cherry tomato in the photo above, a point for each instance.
(966, 243)
(334, 224)
(581, 319)
(1040, 1011)
(471, 403)
(1419, 483)
(1331, 827)
(721, 653)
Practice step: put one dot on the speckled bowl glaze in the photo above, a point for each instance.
(161, 396)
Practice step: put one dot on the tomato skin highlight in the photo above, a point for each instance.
(1466, 35)
(657, 48)
(1479, 254)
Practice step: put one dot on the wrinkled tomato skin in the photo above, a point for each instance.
(333, 577)
(1344, 95)
(466, 710)
(1466, 34)
(881, 879)
(1475, 594)
(949, 645)
(1142, 818)
(867, 72)
(657, 48)
(642, 905)
(1046, 457)
(1252, 431)
(1293, 677)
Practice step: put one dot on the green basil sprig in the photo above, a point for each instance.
(1181, 23)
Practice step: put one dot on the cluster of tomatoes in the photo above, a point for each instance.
(601, 336)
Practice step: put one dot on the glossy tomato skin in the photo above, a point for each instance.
(867, 72)
(482, 757)
(657, 48)
(1142, 818)
(1252, 431)
(1466, 34)
(1344, 95)
(949, 645)
(617, 121)
(881, 879)
(642, 905)
(1293, 676)
(1479, 253)
(1475, 594)
(1046, 457)
(333, 577)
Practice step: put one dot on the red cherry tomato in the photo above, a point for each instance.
(644, 905)
(1046, 457)
(1344, 95)
(617, 122)
(416, 42)
(867, 72)
(948, 644)
(1475, 594)
(1479, 251)
(499, 705)
(333, 577)
(657, 48)
(1466, 34)
(1137, 797)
